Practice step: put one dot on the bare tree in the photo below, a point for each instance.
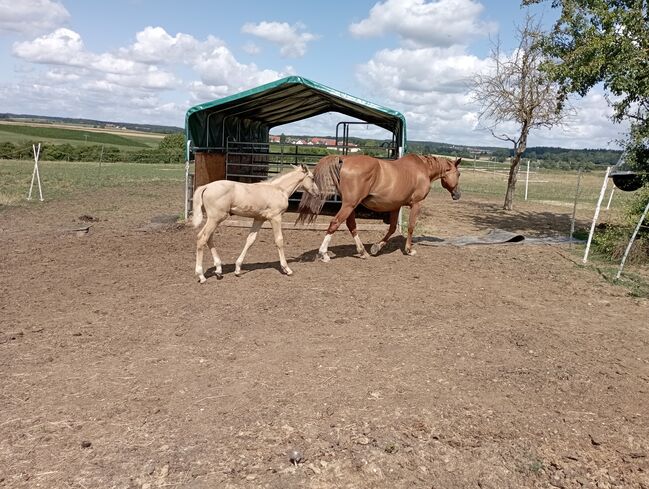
(518, 91)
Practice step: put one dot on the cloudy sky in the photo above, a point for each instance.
(148, 61)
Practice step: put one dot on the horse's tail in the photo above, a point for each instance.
(327, 177)
(197, 204)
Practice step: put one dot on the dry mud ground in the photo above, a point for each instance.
(468, 367)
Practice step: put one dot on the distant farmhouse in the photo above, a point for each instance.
(329, 143)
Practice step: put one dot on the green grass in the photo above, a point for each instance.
(17, 134)
(549, 186)
(62, 179)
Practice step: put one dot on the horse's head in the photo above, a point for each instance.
(308, 183)
(451, 178)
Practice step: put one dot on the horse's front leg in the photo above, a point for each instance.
(394, 218)
(252, 236)
(351, 225)
(412, 222)
(335, 223)
(276, 222)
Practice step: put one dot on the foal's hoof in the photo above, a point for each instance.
(374, 250)
(364, 255)
(237, 273)
(219, 276)
(324, 257)
(202, 280)
(287, 271)
(411, 252)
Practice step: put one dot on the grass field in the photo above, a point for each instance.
(24, 133)
(62, 179)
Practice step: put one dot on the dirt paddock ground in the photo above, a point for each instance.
(461, 367)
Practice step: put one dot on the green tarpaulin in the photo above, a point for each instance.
(248, 116)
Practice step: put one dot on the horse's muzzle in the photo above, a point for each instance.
(456, 194)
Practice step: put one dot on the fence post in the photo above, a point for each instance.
(574, 207)
(36, 173)
(527, 178)
(597, 208)
(628, 248)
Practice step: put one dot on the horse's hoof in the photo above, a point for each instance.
(375, 249)
(324, 257)
(219, 276)
(364, 255)
(287, 271)
(237, 273)
(411, 252)
(202, 280)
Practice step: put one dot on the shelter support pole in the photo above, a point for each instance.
(597, 208)
(187, 180)
(36, 174)
(628, 248)
(400, 218)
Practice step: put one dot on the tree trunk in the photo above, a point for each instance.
(511, 182)
(519, 149)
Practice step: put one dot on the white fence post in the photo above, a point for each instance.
(574, 207)
(36, 174)
(527, 178)
(597, 208)
(628, 248)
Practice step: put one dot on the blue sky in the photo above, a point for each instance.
(149, 61)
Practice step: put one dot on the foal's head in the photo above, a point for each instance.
(308, 184)
(451, 178)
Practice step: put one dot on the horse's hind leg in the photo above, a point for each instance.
(205, 237)
(376, 247)
(279, 241)
(351, 225)
(252, 236)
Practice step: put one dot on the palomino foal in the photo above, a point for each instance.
(263, 201)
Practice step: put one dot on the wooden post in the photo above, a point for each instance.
(597, 208)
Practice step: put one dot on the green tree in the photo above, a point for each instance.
(607, 42)
(173, 142)
(517, 91)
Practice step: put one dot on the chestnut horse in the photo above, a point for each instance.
(381, 186)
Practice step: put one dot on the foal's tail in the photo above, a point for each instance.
(197, 205)
(327, 177)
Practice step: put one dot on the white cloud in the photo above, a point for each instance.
(251, 48)
(155, 45)
(291, 38)
(132, 79)
(420, 23)
(31, 16)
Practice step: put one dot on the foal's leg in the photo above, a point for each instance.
(205, 236)
(335, 223)
(351, 225)
(252, 236)
(394, 218)
(276, 222)
(412, 221)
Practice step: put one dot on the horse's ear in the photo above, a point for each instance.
(457, 162)
(305, 169)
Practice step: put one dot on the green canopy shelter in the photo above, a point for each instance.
(229, 137)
